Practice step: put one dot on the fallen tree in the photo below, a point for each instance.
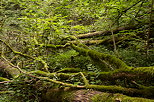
(113, 70)
(106, 41)
(104, 33)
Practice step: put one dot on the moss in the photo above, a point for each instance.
(116, 89)
(109, 97)
(53, 95)
(82, 51)
(100, 62)
(51, 46)
(72, 70)
(138, 74)
(115, 62)
(97, 57)
(65, 75)
(4, 79)
(67, 96)
(148, 70)
(6, 92)
(51, 75)
(58, 95)
(39, 72)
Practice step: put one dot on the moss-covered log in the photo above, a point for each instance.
(62, 76)
(69, 70)
(100, 58)
(51, 46)
(6, 92)
(140, 74)
(4, 79)
(105, 41)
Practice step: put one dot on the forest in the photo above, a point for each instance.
(77, 51)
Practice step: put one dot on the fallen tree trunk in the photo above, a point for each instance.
(105, 61)
(108, 40)
(103, 33)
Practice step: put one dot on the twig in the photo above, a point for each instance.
(5, 92)
(5, 82)
(61, 83)
(84, 79)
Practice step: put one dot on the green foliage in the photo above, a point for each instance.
(25, 24)
(137, 58)
(7, 98)
(61, 60)
(25, 89)
(134, 55)
(69, 59)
